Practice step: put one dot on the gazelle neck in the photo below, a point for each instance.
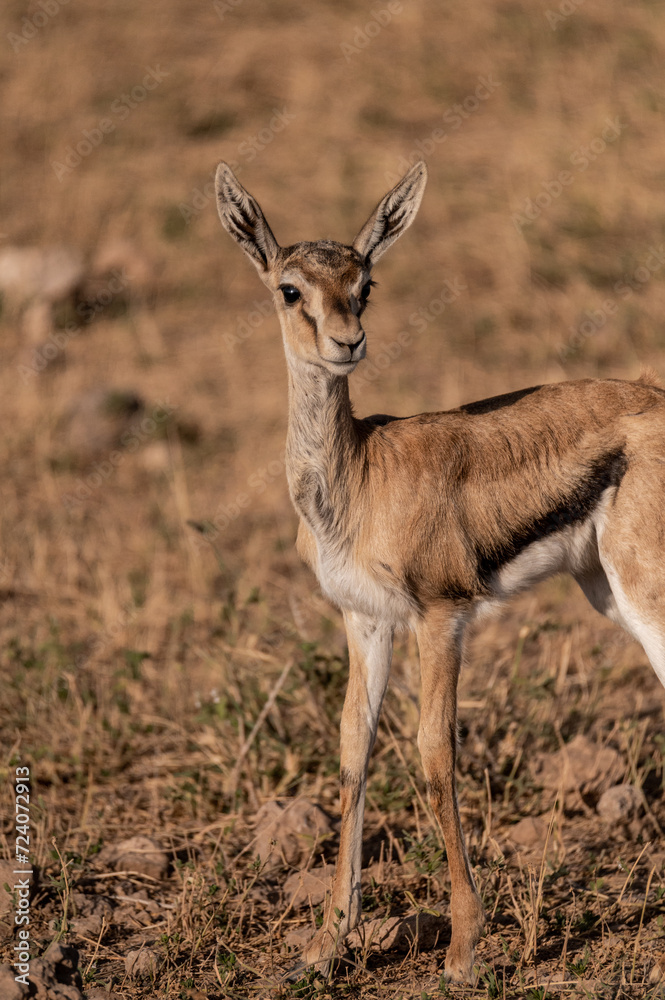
(322, 446)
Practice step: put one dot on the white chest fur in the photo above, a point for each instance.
(354, 583)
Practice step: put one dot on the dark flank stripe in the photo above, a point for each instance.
(604, 472)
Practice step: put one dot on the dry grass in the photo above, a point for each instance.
(138, 653)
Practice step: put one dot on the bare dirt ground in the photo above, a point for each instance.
(168, 669)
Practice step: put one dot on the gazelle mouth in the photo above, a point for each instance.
(340, 367)
(343, 364)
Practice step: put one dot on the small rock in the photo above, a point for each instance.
(96, 993)
(308, 888)
(399, 933)
(142, 964)
(658, 970)
(138, 854)
(288, 831)
(55, 975)
(91, 912)
(86, 927)
(530, 832)
(9, 988)
(298, 938)
(58, 991)
(618, 804)
(580, 765)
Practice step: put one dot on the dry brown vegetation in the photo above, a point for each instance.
(152, 598)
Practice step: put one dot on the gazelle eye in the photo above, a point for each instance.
(290, 293)
(366, 289)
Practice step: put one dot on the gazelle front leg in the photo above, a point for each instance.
(440, 645)
(370, 652)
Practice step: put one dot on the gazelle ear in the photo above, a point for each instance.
(393, 215)
(243, 219)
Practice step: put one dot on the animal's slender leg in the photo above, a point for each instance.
(439, 640)
(370, 653)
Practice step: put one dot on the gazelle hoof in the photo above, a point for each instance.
(459, 973)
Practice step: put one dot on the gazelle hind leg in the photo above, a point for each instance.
(638, 619)
(439, 641)
(611, 601)
(370, 653)
(631, 547)
(653, 643)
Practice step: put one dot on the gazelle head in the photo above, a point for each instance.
(320, 289)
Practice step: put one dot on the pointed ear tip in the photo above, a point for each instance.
(418, 173)
(225, 181)
(224, 173)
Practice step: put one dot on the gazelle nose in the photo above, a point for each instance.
(352, 346)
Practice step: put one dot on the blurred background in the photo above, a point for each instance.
(152, 594)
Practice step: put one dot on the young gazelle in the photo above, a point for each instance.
(420, 521)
